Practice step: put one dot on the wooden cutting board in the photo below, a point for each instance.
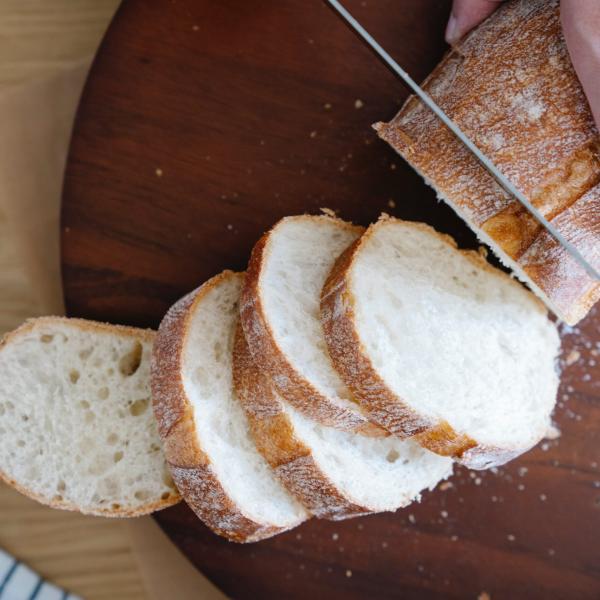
(202, 123)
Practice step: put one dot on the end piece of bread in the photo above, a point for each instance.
(435, 342)
(76, 426)
(336, 474)
(210, 452)
(280, 316)
(512, 89)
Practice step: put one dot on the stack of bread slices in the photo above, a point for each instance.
(341, 375)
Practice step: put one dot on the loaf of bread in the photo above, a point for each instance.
(511, 88)
(280, 316)
(206, 436)
(336, 474)
(76, 424)
(342, 375)
(437, 344)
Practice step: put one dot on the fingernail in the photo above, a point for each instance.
(452, 33)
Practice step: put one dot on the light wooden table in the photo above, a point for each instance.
(90, 556)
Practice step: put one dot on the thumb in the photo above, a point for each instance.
(467, 14)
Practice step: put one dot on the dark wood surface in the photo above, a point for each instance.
(202, 123)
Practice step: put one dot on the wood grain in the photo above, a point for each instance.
(91, 557)
(204, 122)
(38, 37)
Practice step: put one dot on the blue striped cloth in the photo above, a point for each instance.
(19, 582)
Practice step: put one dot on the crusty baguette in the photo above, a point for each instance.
(318, 463)
(76, 426)
(280, 315)
(212, 459)
(511, 87)
(436, 343)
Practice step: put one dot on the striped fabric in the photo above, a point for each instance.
(19, 582)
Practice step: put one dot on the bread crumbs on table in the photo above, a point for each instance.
(159, 172)
(358, 103)
(348, 573)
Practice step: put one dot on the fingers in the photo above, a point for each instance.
(581, 27)
(467, 14)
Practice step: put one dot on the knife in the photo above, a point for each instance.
(485, 161)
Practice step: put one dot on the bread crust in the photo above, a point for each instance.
(190, 466)
(359, 374)
(275, 439)
(292, 386)
(146, 335)
(511, 87)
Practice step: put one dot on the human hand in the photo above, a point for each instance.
(581, 27)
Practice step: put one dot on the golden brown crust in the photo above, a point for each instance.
(95, 327)
(275, 439)
(359, 374)
(298, 391)
(510, 86)
(189, 465)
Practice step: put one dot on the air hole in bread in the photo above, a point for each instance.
(111, 371)
(103, 393)
(131, 361)
(84, 404)
(118, 456)
(84, 354)
(89, 417)
(25, 417)
(58, 498)
(392, 455)
(74, 375)
(61, 486)
(46, 338)
(139, 407)
(165, 496)
(20, 443)
(154, 448)
(112, 439)
(115, 506)
(218, 350)
(141, 495)
(168, 480)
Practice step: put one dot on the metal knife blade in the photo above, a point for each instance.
(487, 163)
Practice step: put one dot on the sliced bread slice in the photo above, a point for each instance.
(210, 452)
(280, 316)
(336, 474)
(76, 427)
(434, 341)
